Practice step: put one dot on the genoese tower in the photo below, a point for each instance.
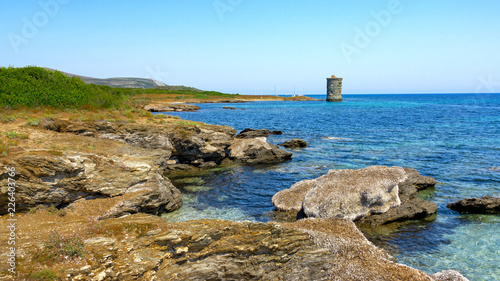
(334, 88)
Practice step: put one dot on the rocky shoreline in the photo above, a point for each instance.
(106, 181)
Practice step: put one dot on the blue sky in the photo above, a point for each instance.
(243, 46)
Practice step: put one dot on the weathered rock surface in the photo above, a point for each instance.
(256, 133)
(59, 180)
(196, 145)
(294, 143)
(310, 249)
(377, 195)
(449, 275)
(483, 205)
(291, 199)
(411, 208)
(166, 107)
(352, 194)
(256, 151)
(142, 135)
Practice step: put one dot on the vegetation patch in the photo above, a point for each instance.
(59, 248)
(16, 135)
(45, 274)
(34, 86)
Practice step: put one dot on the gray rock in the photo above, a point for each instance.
(339, 198)
(353, 194)
(256, 151)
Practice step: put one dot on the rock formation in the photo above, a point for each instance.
(256, 133)
(256, 151)
(167, 107)
(294, 143)
(152, 249)
(483, 205)
(376, 194)
(60, 180)
(196, 146)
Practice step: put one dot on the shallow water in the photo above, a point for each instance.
(453, 138)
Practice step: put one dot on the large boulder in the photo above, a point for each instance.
(352, 194)
(256, 151)
(377, 195)
(483, 205)
(58, 180)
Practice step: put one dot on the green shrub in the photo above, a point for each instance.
(33, 122)
(45, 274)
(34, 86)
(16, 135)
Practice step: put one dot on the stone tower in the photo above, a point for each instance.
(333, 89)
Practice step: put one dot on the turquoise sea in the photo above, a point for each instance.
(454, 138)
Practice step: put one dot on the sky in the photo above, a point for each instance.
(249, 47)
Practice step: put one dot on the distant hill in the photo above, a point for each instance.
(127, 82)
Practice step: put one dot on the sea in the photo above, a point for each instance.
(454, 138)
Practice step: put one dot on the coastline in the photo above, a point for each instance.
(73, 135)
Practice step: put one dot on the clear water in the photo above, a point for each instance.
(453, 138)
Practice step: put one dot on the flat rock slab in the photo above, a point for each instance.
(310, 249)
(483, 205)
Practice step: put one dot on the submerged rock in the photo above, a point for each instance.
(376, 194)
(256, 151)
(483, 205)
(294, 143)
(256, 133)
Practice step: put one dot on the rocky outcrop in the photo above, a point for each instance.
(58, 180)
(256, 151)
(483, 205)
(376, 194)
(257, 133)
(310, 249)
(352, 194)
(167, 107)
(186, 146)
(141, 135)
(294, 143)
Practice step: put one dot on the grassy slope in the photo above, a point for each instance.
(35, 86)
